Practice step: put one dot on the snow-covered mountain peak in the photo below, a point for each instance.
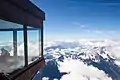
(75, 57)
(93, 50)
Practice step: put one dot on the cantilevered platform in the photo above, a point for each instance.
(21, 24)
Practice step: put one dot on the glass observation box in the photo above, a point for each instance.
(21, 38)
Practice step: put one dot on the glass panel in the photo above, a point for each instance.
(34, 49)
(20, 48)
(11, 42)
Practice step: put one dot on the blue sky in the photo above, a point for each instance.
(81, 18)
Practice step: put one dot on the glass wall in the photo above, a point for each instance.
(34, 44)
(12, 53)
(11, 46)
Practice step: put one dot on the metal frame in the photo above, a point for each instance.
(25, 44)
(20, 29)
(42, 41)
(15, 43)
(25, 29)
(26, 14)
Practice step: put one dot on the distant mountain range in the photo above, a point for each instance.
(98, 54)
(81, 60)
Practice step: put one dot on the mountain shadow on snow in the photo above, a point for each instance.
(50, 71)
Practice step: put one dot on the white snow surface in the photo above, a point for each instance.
(86, 49)
(80, 71)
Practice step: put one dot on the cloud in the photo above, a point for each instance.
(112, 46)
(98, 31)
(94, 31)
(101, 31)
(88, 30)
(33, 49)
(112, 31)
(82, 26)
(79, 24)
(111, 4)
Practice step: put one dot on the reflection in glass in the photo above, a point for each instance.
(11, 49)
(33, 44)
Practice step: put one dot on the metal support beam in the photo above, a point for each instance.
(25, 45)
(42, 41)
(15, 43)
(39, 42)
